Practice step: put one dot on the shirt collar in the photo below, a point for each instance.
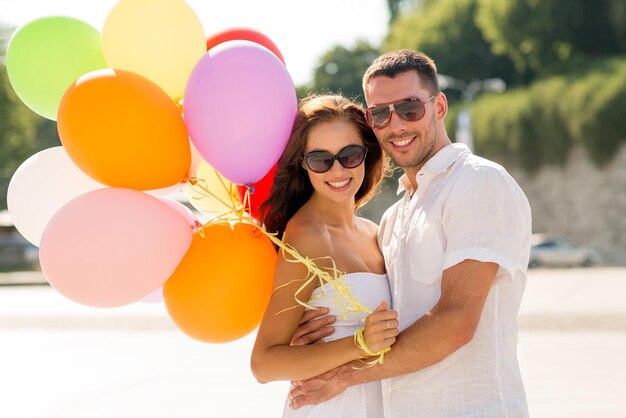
(437, 164)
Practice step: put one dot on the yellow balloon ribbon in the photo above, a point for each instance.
(359, 341)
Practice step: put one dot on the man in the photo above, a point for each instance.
(456, 249)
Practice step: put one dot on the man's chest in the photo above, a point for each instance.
(414, 235)
(413, 244)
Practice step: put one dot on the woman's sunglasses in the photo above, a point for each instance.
(351, 156)
(412, 110)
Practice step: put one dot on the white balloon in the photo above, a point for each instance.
(40, 186)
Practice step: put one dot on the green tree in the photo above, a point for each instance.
(22, 132)
(341, 70)
(535, 125)
(540, 35)
(398, 7)
(17, 135)
(617, 19)
(446, 31)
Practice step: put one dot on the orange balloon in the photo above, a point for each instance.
(123, 130)
(220, 289)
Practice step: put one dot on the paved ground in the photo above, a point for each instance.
(59, 359)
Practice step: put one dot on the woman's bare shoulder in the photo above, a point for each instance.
(308, 237)
(370, 226)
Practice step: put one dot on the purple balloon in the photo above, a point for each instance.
(239, 107)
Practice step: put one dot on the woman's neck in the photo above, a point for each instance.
(332, 213)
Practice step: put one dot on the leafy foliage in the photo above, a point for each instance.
(537, 125)
(598, 100)
(446, 31)
(23, 133)
(537, 35)
(398, 7)
(341, 69)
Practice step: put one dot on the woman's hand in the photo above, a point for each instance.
(381, 328)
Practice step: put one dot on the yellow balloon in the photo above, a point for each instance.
(223, 194)
(161, 40)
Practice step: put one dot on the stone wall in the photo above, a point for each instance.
(579, 202)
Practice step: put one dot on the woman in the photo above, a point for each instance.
(331, 165)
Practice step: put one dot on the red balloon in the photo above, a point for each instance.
(243, 34)
(259, 191)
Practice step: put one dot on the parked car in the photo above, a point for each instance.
(557, 252)
(17, 253)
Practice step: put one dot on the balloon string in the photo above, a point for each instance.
(247, 200)
(194, 183)
(229, 189)
(331, 276)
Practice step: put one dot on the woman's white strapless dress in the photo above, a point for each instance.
(359, 401)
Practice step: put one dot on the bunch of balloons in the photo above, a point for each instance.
(144, 108)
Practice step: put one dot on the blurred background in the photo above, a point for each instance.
(538, 86)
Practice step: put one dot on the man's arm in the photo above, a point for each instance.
(315, 324)
(446, 328)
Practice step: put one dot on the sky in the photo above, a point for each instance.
(302, 30)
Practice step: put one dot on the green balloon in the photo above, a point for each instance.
(46, 56)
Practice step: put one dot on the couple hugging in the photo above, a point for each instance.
(443, 275)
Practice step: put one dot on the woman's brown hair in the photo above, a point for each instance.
(291, 188)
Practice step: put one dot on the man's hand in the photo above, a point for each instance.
(314, 325)
(321, 388)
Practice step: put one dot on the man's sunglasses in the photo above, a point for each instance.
(351, 156)
(412, 110)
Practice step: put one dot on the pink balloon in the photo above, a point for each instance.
(154, 297)
(239, 108)
(182, 209)
(112, 247)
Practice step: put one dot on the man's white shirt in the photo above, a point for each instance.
(465, 207)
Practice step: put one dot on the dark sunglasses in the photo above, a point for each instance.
(412, 110)
(351, 156)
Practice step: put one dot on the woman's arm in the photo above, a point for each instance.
(273, 358)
